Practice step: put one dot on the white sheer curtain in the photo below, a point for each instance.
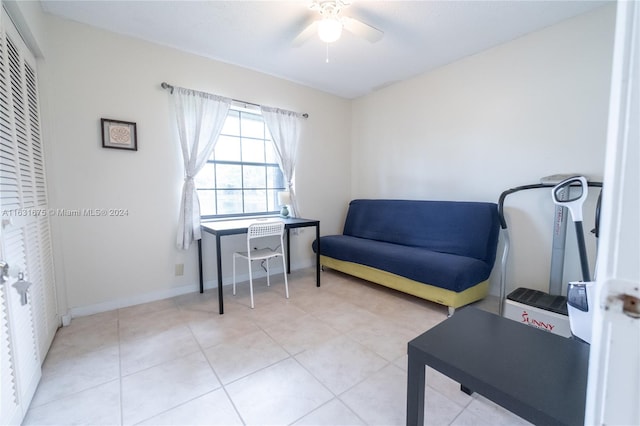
(285, 131)
(200, 118)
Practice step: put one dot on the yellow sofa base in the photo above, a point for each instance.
(425, 291)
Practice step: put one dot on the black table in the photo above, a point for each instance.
(541, 377)
(220, 228)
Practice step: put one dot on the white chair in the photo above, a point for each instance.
(255, 233)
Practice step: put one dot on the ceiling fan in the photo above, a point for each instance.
(330, 23)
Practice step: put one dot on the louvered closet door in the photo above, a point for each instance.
(27, 329)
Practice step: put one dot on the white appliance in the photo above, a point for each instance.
(580, 304)
(553, 312)
(538, 309)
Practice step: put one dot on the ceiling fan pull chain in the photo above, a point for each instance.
(327, 57)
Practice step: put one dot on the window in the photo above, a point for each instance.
(242, 176)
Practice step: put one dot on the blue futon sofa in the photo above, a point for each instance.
(441, 251)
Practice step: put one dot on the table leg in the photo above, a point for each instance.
(200, 266)
(318, 255)
(288, 253)
(415, 392)
(219, 265)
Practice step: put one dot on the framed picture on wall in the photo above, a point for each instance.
(119, 134)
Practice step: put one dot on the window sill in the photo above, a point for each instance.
(243, 217)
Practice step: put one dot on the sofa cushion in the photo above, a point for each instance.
(449, 271)
(460, 228)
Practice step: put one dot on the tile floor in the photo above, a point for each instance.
(334, 355)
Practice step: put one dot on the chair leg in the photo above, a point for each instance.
(268, 274)
(284, 271)
(250, 283)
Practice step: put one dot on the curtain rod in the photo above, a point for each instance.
(166, 85)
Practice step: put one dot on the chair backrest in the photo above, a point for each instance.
(265, 229)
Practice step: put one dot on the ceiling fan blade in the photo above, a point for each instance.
(305, 35)
(361, 29)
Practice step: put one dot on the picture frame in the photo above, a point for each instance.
(118, 134)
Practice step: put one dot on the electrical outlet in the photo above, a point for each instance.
(179, 269)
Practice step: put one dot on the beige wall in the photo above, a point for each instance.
(107, 262)
(505, 117)
(469, 130)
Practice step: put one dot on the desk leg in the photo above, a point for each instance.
(318, 255)
(200, 266)
(288, 253)
(415, 392)
(219, 265)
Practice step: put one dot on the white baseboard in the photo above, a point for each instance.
(111, 305)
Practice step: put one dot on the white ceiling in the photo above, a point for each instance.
(418, 35)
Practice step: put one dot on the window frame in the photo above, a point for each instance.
(243, 110)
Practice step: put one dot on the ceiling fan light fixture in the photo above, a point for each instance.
(329, 29)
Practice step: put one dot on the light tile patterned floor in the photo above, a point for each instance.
(334, 355)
